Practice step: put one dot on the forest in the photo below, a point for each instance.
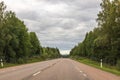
(103, 42)
(17, 44)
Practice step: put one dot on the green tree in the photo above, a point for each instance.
(103, 42)
(36, 47)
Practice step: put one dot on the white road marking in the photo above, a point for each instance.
(84, 75)
(81, 71)
(36, 73)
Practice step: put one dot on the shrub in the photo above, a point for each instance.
(118, 65)
(20, 61)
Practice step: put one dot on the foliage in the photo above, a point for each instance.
(35, 44)
(17, 45)
(50, 53)
(96, 64)
(118, 65)
(104, 41)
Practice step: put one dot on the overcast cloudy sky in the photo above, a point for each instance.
(57, 23)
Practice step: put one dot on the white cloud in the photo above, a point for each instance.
(58, 23)
(55, 8)
(64, 52)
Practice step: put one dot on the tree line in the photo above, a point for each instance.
(49, 53)
(104, 41)
(17, 45)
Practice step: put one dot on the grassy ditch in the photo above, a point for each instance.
(30, 60)
(111, 69)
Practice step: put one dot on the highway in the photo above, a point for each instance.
(57, 69)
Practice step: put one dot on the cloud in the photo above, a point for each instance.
(58, 23)
(64, 52)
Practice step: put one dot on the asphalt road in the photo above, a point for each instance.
(58, 69)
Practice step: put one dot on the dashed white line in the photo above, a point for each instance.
(81, 71)
(36, 73)
(84, 75)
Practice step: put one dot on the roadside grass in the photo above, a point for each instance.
(8, 65)
(31, 60)
(28, 61)
(111, 69)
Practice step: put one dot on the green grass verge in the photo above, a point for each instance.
(31, 60)
(9, 65)
(111, 69)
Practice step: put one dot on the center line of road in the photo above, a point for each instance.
(84, 75)
(36, 73)
(81, 71)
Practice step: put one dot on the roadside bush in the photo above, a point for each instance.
(118, 65)
(20, 61)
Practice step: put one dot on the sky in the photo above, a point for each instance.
(57, 23)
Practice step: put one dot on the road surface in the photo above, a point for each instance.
(58, 69)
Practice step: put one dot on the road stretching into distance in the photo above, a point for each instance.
(57, 69)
